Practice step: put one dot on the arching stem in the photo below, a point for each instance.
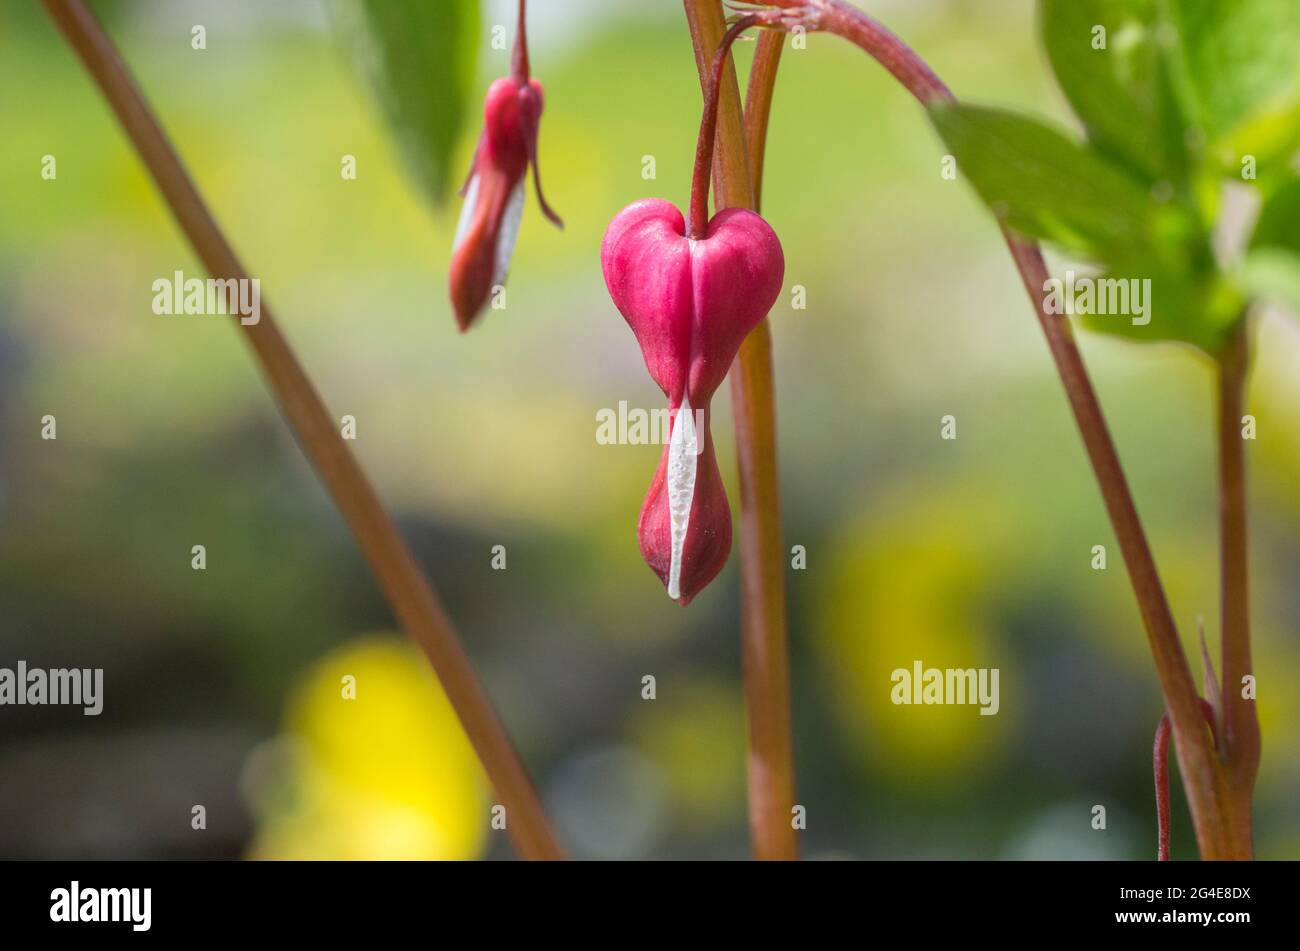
(1203, 776)
(411, 597)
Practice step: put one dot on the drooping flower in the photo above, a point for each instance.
(691, 294)
(494, 190)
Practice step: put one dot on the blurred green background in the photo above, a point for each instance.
(221, 685)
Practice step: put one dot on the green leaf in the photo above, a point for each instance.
(1241, 58)
(1043, 184)
(420, 58)
(1271, 136)
(1273, 274)
(1111, 64)
(1272, 266)
(1192, 306)
(1279, 220)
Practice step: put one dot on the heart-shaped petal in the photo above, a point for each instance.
(690, 303)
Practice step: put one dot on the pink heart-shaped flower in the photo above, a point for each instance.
(691, 303)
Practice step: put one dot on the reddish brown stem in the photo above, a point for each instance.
(758, 106)
(1202, 775)
(770, 765)
(1241, 739)
(407, 590)
(519, 56)
(697, 222)
(1160, 764)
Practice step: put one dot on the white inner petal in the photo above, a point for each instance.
(683, 453)
(509, 232)
(466, 212)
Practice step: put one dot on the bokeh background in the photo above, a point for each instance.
(222, 685)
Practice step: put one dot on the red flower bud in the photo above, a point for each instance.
(494, 190)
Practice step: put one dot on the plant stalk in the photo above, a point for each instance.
(1241, 739)
(1203, 777)
(758, 105)
(697, 220)
(409, 593)
(764, 647)
(519, 55)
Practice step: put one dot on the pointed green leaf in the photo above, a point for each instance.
(1241, 56)
(1045, 185)
(420, 58)
(1110, 59)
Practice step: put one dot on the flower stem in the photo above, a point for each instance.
(1203, 777)
(764, 645)
(1241, 740)
(1160, 762)
(758, 105)
(409, 594)
(1197, 762)
(697, 223)
(519, 55)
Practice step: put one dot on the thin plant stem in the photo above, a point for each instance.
(409, 593)
(764, 647)
(1203, 776)
(519, 56)
(697, 222)
(1160, 769)
(758, 105)
(1241, 739)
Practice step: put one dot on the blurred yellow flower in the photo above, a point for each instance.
(917, 579)
(373, 764)
(695, 733)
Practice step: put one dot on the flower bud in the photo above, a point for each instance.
(494, 190)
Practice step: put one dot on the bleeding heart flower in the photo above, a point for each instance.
(691, 296)
(494, 190)
(691, 302)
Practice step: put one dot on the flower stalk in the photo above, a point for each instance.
(1218, 836)
(1160, 764)
(764, 647)
(698, 220)
(1240, 729)
(758, 106)
(411, 597)
(494, 188)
